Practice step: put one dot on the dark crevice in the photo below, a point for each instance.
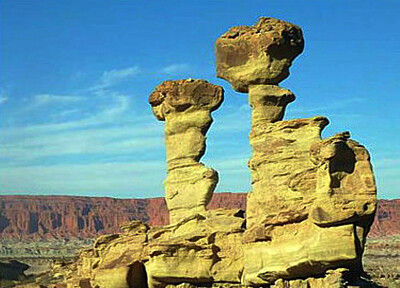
(137, 276)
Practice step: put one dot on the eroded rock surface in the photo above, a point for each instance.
(201, 249)
(259, 54)
(313, 200)
(186, 106)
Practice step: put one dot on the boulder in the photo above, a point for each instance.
(259, 54)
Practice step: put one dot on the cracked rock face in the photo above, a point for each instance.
(186, 106)
(312, 204)
(312, 200)
(259, 54)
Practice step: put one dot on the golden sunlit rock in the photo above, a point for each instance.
(311, 206)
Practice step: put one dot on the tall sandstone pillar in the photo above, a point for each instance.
(312, 200)
(186, 106)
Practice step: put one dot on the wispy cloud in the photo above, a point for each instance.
(388, 163)
(121, 105)
(112, 77)
(239, 117)
(114, 179)
(67, 113)
(3, 96)
(111, 113)
(48, 101)
(231, 165)
(107, 131)
(177, 68)
(44, 99)
(97, 128)
(333, 105)
(85, 139)
(96, 123)
(387, 171)
(102, 141)
(234, 176)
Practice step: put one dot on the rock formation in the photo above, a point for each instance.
(387, 219)
(258, 55)
(12, 270)
(152, 211)
(313, 201)
(186, 107)
(64, 216)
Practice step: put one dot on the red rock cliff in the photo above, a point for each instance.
(387, 219)
(63, 216)
(68, 216)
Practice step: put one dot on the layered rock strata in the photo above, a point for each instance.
(387, 219)
(200, 250)
(203, 250)
(25, 217)
(152, 211)
(313, 200)
(308, 215)
(186, 106)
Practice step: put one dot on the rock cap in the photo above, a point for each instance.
(259, 54)
(182, 95)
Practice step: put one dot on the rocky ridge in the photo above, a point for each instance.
(66, 217)
(112, 213)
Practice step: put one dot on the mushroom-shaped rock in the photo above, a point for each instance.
(259, 54)
(186, 106)
(312, 200)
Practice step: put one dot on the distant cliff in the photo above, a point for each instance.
(387, 219)
(85, 217)
(64, 216)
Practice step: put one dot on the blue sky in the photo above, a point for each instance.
(75, 77)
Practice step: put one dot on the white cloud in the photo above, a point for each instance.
(3, 96)
(115, 75)
(388, 162)
(44, 99)
(3, 99)
(94, 128)
(68, 112)
(174, 69)
(237, 119)
(387, 178)
(234, 176)
(104, 132)
(231, 165)
(128, 180)
(112, 77)
(106, 141)
(334, 105)
(121, 105)
(112, 111)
